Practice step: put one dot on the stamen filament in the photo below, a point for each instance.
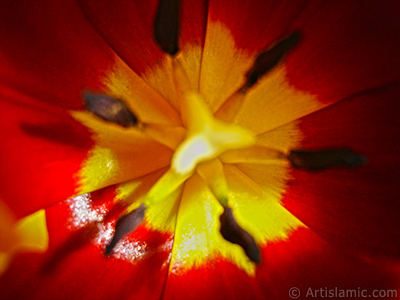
(212, 173)
(182, 84)
(256, 154)
(231, 107)
(181, 77)
(165, 186)
(166, 135)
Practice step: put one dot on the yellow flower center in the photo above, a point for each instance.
(184, 157)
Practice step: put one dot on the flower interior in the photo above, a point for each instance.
(199, 153)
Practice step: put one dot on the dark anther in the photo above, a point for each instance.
(166, 26)
(232, 232)
(268, 59)
(322, 159)
(110, 109)
(125, 225)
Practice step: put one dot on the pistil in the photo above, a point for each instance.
(207, 137)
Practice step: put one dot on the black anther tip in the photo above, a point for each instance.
(314, 160)
(125, 225)
(166, 26)
(270, 58)
(232, 232)
(110, 109)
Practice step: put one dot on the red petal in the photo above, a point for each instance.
(42, 147)
(256, 24)
(303, 261)
(354, 209)
(127, 26)
(347, 46)
(50, 51)
(84, 272)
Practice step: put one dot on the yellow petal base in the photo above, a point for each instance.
(186, 173)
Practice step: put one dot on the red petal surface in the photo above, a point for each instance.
(354, 209)
(255, 25)
(127, 26)
(347, 47)
(303, 261)
(49, 53)
(49, 48)
(41, 148)
(79, 270)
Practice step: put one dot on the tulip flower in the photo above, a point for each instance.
(199, 149)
